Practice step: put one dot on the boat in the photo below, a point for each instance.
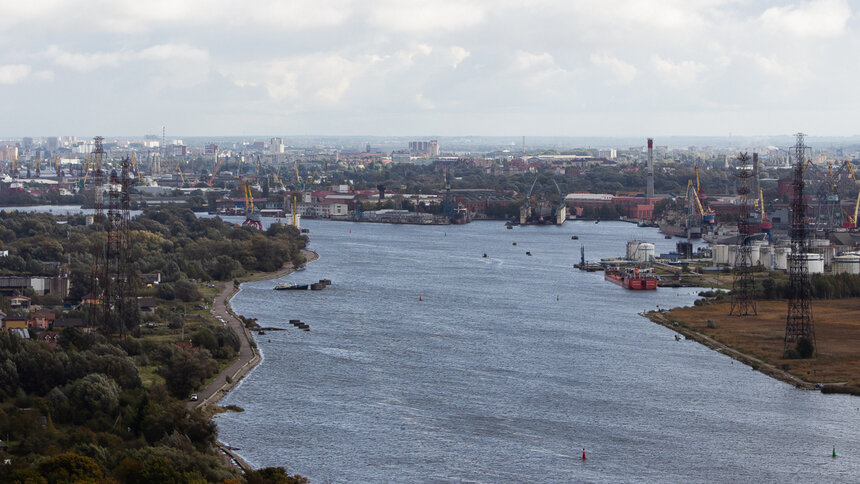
(289, 286)
(631, 278)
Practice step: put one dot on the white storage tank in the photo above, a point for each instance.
(755, 254)
(766, 256)
(720, 254)
(632, 249)
(780, 258)
(645, 252)
(846, 264)
(733, 255)
(814, 263)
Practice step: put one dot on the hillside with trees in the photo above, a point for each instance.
(78, 404)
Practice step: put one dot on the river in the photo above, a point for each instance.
(427, 362)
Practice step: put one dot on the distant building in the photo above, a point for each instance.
(276, 145)
(429, 148)
(609, 153)
(9, 153)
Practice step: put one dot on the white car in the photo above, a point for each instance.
(193, 397)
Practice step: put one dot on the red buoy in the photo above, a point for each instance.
(419, 298)
(583, 453)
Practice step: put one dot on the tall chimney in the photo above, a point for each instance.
(649, 193)
(755, 186)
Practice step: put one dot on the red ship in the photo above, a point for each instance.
(631, 278)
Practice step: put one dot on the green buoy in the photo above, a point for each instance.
(834, 452)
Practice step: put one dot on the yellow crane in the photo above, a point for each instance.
(295, 211)
(136, 167)
(852, 220)
(215, 171)
(181, 175)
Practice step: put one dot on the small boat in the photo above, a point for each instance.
(528, 253)
(515, 243)
(485, 255)
(597, 221)
(574, 237)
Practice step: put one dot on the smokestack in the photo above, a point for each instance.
(754, 195)
(649, 192)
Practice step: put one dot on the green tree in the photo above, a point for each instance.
(69, 467)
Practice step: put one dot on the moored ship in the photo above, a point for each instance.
(631, 278)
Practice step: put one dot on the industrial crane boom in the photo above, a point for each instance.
(215, 171)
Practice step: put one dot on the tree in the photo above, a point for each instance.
(96, 392)
(70, 467)
(186, 369)
(186, 291)
(274, 475)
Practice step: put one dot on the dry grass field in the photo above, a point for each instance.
(837, 334)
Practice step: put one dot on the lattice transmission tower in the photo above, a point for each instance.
(98, 274)
(120, 302)
(743, 283)
(799, 324)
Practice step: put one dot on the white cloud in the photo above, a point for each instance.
(419, 15)
(528, 60)
(85, 62)
(90, 61)
(820, 18)
(14, 73)
(458, 55)
(173, 52)
(623, 72)
(677, 73)
(424, 103)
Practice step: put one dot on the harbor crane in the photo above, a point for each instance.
(215, 171)
(252, 216)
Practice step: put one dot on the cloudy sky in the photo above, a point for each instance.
(441, 67)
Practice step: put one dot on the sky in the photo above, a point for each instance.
(442, 67)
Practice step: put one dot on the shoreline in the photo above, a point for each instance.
(757, 364)
(248, 357)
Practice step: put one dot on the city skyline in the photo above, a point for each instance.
(589, 69)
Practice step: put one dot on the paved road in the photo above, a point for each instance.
(248, 356)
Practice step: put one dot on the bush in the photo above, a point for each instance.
(186, 291)
(165, 291)
(805, 349)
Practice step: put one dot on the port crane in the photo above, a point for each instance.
(215, 171)
(765, 225)
(252, 216)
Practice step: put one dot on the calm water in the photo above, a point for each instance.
(506, 368)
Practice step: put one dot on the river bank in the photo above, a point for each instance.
(248, 357)
(758, 341)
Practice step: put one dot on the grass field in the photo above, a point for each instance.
(837, 334)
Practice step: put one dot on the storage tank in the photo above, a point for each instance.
(814, 263)
(632, 249)
(846, 264)
(755, 254)
(720, 254)
(733, 255)
(645, 252)
(766, 256)
(780, 258)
